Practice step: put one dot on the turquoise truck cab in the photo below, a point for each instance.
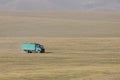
(33, 48)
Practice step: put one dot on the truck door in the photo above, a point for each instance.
(38, 48)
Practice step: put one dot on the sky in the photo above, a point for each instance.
(111, 5)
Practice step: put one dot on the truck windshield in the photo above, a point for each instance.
(38, 46)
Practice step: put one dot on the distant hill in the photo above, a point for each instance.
(99, 5)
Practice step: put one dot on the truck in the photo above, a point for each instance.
(33, 48)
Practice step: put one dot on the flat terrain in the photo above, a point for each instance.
(65, 59)
(59, 24)
(79, 45)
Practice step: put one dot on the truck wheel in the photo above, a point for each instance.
(43, 51)
(28, 51)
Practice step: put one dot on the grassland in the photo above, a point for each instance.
(79, 45)
(59, 24)
(65, 59)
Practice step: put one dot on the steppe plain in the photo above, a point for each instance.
(79, 45)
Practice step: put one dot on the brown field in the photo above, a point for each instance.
(59, 24)
(79, 46)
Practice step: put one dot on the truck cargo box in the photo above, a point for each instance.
(28, 46)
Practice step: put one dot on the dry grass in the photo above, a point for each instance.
(65, 59)
(59, 24)
(73, 58)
